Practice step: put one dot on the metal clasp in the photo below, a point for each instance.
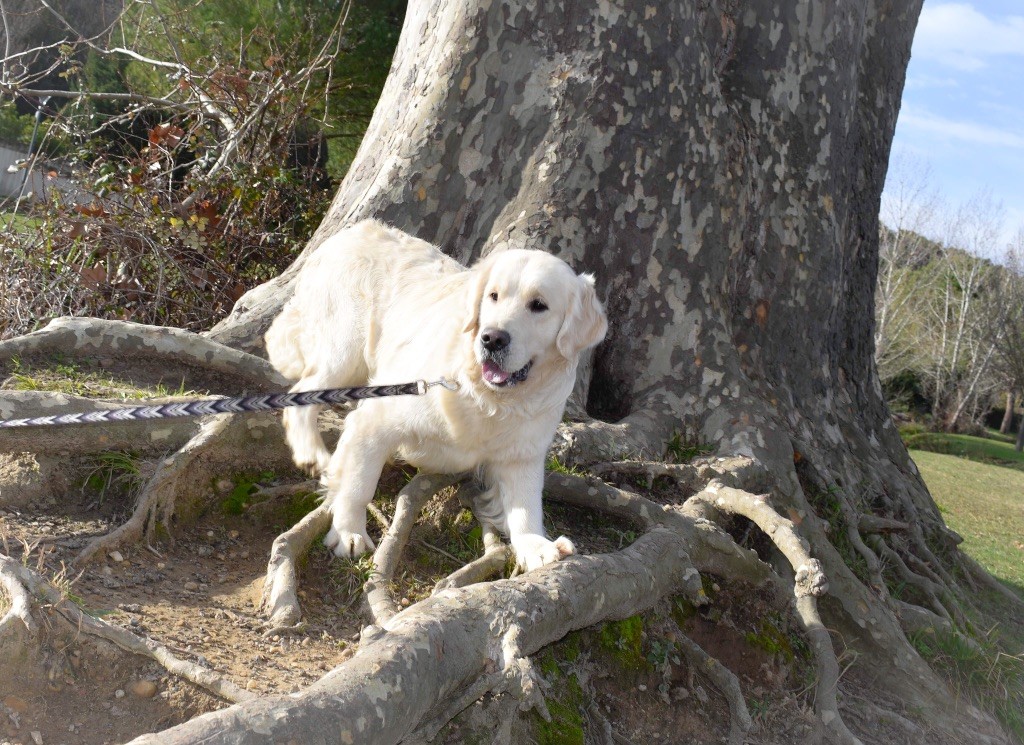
(451, 385)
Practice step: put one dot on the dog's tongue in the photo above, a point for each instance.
(493, 373)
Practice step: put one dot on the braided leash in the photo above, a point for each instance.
(235, 405)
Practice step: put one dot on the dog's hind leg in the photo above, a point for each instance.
(344, 369)
(351, 478)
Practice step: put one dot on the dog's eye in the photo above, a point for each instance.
(537, 306)
(494, 297)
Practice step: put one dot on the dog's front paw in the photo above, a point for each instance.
(348, 544)
(534, 551)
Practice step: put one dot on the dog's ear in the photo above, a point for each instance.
(585, 323)
(475, 287)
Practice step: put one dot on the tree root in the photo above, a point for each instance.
(491, 563)
(20, 612)
(416, 662)
(724, 680)
(23, 584)
(711, 548)
(280, 601)
(157, 500)
(411, 499)
(89, 337)
(809, 582)
(978, 572)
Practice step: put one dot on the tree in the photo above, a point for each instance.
(906, 216)
(719, 167)
(963, 319)
(1010, 352)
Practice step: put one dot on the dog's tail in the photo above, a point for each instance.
(282, 340)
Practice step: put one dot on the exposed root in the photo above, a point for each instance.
(724, 680)
(89, 337)
(403, 658)
(877, 524)
(686, 476)
(986, 579)
(411, 499)
(34, 585)
(810, 576)
(711, 548)
(809, 582)
(490, 564)
(280, 601)
(20, 611)
(156, 502)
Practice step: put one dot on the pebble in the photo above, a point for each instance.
(118, 693)
(143, 688)
(37, 737)
(190, 586)
(642, 687)
(116, 556)
(233, 534)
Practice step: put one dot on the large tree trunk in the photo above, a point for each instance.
(719, 166)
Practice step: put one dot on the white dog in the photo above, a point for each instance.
(376, 306)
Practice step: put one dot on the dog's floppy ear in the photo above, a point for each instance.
(585, 323)
(475, 287)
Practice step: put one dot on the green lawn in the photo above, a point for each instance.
(984, 503)
(998, 449)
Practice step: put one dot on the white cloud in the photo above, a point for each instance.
(978, 134)
(959, 36)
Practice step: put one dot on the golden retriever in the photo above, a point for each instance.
(374, 305)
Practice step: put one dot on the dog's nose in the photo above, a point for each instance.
(494, 340)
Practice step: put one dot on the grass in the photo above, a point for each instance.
(70, 378)
(984, 503)
(996, 449)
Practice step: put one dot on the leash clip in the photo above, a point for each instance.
(450, 385)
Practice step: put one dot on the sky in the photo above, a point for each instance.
(962, 116)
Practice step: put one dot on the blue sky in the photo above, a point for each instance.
(963, 104)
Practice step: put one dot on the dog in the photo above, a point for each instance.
(374, 305)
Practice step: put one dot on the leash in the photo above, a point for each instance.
(234, 405)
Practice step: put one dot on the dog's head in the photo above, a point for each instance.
(528, 309)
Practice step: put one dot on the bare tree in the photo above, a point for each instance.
(908, 214)
(963, 323)
(719, 166)
(1010, 350)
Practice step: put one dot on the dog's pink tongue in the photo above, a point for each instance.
(494, 374)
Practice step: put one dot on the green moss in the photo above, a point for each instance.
(565, 706)
(624, 641)
(772, 640)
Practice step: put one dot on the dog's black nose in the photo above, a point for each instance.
(494, 340)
